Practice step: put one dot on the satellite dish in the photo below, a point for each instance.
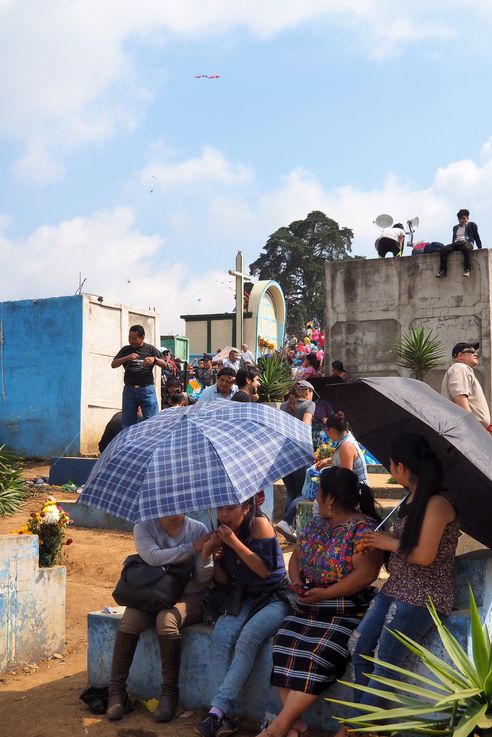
(413, 224)
(384, 221)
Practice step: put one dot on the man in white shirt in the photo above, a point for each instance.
(465, 234)
(461, 386)
(225, 388)
(246, 355)
(391, 241)
(233, 360)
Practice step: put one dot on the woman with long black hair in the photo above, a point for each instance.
(331, 578)
(421, 563)
(249, 566)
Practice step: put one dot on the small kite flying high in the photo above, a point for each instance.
(206, 76)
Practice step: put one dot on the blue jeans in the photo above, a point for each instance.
(143, 397)
(236, 644)
(371, 638)
(290, 512)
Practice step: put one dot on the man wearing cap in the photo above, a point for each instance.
(460, 384)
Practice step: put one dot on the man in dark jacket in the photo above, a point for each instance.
(465, 234)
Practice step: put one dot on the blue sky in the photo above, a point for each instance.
(118, 164)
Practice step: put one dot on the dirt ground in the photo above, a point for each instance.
(42, 699)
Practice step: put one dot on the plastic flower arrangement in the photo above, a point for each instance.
(266, 344)
(49, 525)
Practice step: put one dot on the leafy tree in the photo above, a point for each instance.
(295, 257)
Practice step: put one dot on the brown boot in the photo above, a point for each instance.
(124, 650)
(170, 650)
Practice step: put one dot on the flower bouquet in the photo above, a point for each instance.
(325, 450)
(49, 525)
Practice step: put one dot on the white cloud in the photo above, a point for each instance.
(70, 75)
(246, 220)
(118, 262)
(211, 166)
(124, 265)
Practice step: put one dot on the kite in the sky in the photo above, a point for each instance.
(206, 76)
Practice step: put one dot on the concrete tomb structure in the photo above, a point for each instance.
(32, 603)
(370, 304)
(57, 387)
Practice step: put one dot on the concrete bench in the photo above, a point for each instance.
(196, 683)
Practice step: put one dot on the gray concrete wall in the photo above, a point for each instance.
(371, 303)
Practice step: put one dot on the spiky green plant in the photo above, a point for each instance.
(419, 351)
(455, 700)
(275, 377)
(12, 485)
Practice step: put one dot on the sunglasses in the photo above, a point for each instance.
(472, 350)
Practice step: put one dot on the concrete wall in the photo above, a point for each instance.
(57, 388)
(371, 303)
(41, 370)
(105, 331)
(32, 603)
(221, 334)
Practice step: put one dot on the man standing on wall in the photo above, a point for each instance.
(460, 384)
(139, 359)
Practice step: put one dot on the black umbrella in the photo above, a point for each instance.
(380, 408)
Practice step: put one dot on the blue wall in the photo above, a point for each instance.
(41, 365)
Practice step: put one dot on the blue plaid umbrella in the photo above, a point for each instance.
(198, 457)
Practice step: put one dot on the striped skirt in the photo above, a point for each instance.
(310, 648)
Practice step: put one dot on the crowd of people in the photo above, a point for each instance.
(324, 610)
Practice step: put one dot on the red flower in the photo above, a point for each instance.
(33, 514)
(69, 541)
(42, 514)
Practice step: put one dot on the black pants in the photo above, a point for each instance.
(464, 246)
(293, 484)
(388, 245)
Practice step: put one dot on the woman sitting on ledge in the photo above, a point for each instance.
(249, 568)
(332, 581)
(161, 542)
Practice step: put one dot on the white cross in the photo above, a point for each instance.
(240, 279)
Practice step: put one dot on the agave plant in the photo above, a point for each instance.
(419, 351)
(12, 485)
(455, 700)
(275, 377)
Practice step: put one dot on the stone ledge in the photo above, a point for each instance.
(196, 675)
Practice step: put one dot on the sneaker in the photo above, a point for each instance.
(441, 275)
(209, 726)
(287, 531)
(227, 727)
(466, 272)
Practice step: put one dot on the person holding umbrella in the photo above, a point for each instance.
(252, 599)
(421, 563)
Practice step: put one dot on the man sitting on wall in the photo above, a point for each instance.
(465, 234)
